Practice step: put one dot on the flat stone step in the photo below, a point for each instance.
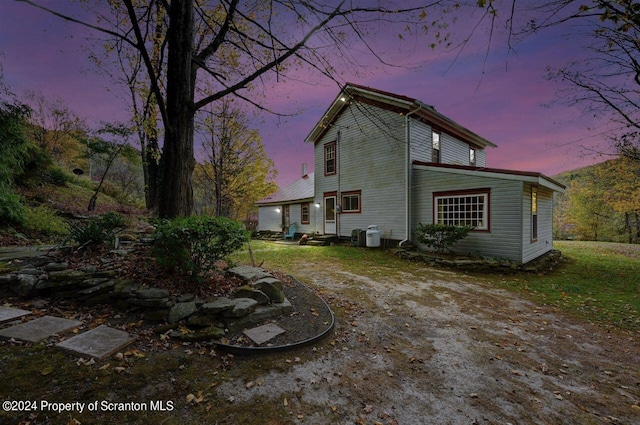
(10, 313)
(39, 329)
(264, 333)
(99, 342)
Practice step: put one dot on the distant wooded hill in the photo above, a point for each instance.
(601, 203)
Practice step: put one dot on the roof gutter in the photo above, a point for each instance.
(407, 194)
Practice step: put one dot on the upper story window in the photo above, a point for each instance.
(462, 208)
(330, 158)
(350, 202)
(472, 157)
(435, 147)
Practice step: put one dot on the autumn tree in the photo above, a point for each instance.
(236, 172)
(588, 210)
(55, 128)
(231, 45)
(602, 202)
(123, 65)
(621, 179)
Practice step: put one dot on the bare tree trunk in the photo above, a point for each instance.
(175, 197)
(151, 170)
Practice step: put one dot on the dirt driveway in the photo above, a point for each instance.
(434, 347)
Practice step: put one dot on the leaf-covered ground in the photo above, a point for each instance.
(412, 345)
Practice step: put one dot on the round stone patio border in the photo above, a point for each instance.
(248, 350)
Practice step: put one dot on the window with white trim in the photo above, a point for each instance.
(472, 157)
(534, 214)
(330, 158)
(435, 147)
(462, 209)
(350, 202)
(304, 213)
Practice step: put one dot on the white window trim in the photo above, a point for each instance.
(485, 209)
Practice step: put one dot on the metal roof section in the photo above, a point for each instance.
(300, 190)
(399, 103)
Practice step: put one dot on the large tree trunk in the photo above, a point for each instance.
(151, 171)
(175, 197)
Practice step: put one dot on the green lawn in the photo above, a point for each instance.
(597, 281)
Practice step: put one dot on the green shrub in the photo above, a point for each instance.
(55, 176)
(440, 236)
(12, 210)
(97, 230)
(192, 245)
(44, 219)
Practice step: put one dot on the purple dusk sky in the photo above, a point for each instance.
(507, 100)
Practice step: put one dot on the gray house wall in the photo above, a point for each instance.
(504, 238)
(544, 243)
(453, 151)
(370, 158)
(270, 219)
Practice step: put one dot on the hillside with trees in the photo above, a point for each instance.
(601, 203)
(54, 170)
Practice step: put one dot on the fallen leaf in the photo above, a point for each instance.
(285, 402)
(46, 371)
(119, 369)
(368, 408)
(190, 398)
(250, 385)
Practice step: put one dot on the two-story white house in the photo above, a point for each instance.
(392, 161)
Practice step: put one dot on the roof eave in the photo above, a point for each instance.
(527, 176)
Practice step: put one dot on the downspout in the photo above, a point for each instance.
(407, 194)
(338, 198)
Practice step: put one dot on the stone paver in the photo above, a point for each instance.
(10, 313)
(264, 333)
(99, 342)
(39, 329)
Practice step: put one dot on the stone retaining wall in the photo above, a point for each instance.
(260, 299)
(542, 264)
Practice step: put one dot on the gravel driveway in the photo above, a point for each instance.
(435, 347)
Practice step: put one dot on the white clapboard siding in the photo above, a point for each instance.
(504, 240)
(420, 141)
(371, 158)
(269, 218)
(452, 150)
(544, 243)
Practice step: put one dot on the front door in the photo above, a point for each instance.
(330, 215)
(286, 217)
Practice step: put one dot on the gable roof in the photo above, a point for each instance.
(397, 103)
(528, 176)
(300, 190)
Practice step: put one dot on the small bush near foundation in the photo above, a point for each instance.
(440, 236)
(192, 245)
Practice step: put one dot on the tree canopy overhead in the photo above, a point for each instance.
(198, 52)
